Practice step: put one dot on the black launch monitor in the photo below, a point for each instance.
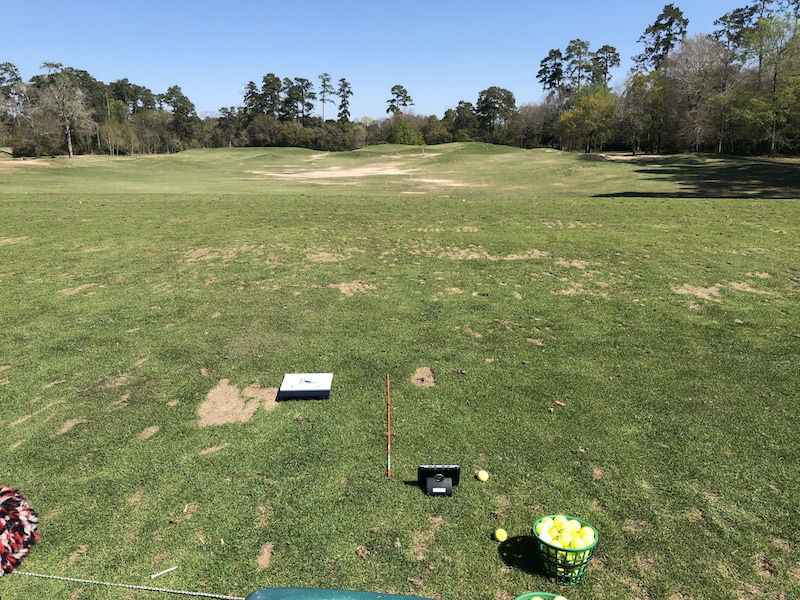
(438, 480)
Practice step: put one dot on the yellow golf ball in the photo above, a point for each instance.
(501, 535)
(483, 475)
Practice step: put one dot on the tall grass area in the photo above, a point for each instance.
(661, 315)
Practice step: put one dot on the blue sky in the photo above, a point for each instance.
(441, 51)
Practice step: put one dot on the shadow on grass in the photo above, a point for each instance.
(715, 177)
(519, 552)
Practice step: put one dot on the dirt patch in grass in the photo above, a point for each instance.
(503, 595)
(76, 290)
(503, 503)
(54, 383)
(76, 593)
(536, 341)
(530, 254)
(782, 544)
(117, 380)
(21, 420)
(79, 553)
(213, 449)
(695, 306)
(267, 396)
(454, 290)
(141, 361)
(471, 331)
(69, 425)
(706, 293)
(695, 514)
(741, 286)
(189, 510)
(423, 539)
(122, 400)
(4, 368)
(16, 240)
(597, 474)
(362, 552)
(136, 498)
(16, 445)
(575, 288)
(759, 275)
(265, 556)
(264, 513)
(349, 289)
(149, 432)
(423, 377)
(224, 404)
(764, 566)
(326, 257)
(643, 563)
(575, 264)
(517, 295)
(634, 526)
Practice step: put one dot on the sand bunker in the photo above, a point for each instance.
(227, 404)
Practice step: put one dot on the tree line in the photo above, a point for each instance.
(734, 90)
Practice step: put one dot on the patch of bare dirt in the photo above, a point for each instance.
(695, 514)
(76, 290)
(122, 400)
(264, 513)
(213, 449)
(503, 503)
(575, 264)
(16, 445)
(575, 288)
(454, 290)
(16, 240)
(471, 331)
(468, 229)
(536, 341)
(782, 544)
(423, 539)
(265, 556)
(530, 254)
(21, 420)
(634, 526)
(706, 293)
(643, 563)
(136, 498)
(189, 510)
(76, 593)
(4, 368)
(503, 595)
(326, 257)
(741, 286)
(79, 553)
(764, 566)
(224, 404)
(349, 289)
(117, 380)
(267, 396)
(597, 474)
(149, 432)
(362, 552)
(141, 361)
(423, 377)
(695, 306)
(54, 383)
(760, 275)
(517, 295)
(69, 425)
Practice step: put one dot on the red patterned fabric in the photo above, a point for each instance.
(17, 529)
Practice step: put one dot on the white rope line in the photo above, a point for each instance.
(132, 587)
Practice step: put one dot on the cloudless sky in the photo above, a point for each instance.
(442, 51)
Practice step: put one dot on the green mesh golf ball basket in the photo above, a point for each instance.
(566, 565)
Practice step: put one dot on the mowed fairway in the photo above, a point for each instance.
(656, 300)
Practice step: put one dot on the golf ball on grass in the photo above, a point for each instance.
(500, 534)
(483, 475)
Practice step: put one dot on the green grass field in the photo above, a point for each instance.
(655, 298)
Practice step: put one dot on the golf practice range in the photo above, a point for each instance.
(594, 361)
